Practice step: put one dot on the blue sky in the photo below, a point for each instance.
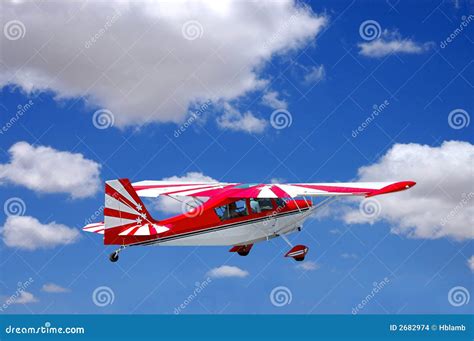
(327, 85)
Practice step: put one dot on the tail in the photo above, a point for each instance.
(126, 219)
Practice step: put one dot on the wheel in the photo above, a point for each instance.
(243, 253)
(299, 259)
(114, 256)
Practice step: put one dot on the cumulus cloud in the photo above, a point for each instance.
(315, 74)
(149, 61)
(47, 170)
(272, 100)
(54, 288)
(227, 271)
(392, 42)
(470, 263)
(28, 233)
(25, 298)
(172, 206)
(308, 266)
(234, 120)
(442, 202)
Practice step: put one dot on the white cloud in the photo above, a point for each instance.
(47, 170)
(29, 234)
(470, 263)
(392, 42)
(235, 120)
(271, 100)
(54, 288)
(442, 202)
(227, 271)
(349, 256)
(315, 74)
(25, 298)
(308, 266)
(172, 206)
(148, 61)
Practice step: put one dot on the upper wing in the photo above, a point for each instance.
(155, 188)
(232, 190)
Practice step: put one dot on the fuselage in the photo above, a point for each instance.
(214, 223)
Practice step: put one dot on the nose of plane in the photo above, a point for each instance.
(409, 184)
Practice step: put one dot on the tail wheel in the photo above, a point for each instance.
(114, 256)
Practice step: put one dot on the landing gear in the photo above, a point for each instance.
(298, 253)
(114, 256)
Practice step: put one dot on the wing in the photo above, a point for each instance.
(194, 189)
(233, 190)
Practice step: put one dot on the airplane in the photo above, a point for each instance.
(234, 214)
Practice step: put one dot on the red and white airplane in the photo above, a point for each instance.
(233, 214)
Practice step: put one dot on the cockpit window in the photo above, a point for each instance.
(233, 210)
(280, 202)
(261, 204)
